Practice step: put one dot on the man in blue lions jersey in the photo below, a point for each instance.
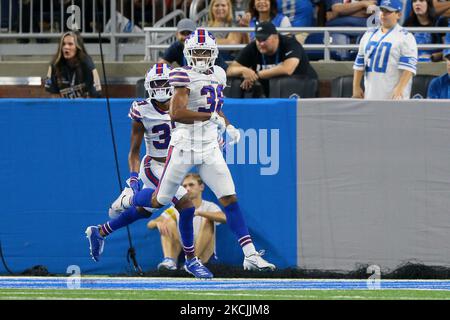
(387, 58)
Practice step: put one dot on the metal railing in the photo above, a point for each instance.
(43, 22)
(327, 45)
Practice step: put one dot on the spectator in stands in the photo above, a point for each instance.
(270, 55)
(5, 8)
(72, 73)
(440, 87)
(349, 13)
(172, 5)
(442, 8)
(300, 14)
(387, 58)
(423, 15)
(175, 52)
(264, 11)
(220, 14)
(207, 215)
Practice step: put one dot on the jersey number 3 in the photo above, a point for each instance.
(164, 137)
(214, 98)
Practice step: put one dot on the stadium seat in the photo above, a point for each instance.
(342, 87)
(140, 89)
(420, 85)
(285, 87)
(233, 89)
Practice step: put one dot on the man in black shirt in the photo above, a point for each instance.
(270, 55)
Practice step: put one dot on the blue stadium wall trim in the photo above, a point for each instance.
(58, 176)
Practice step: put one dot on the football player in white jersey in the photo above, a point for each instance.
(196, 109)
(151, 122)
(387, 58)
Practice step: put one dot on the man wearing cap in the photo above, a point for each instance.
(175, 52)
(387, 58)
(270, 55)
(440, 87)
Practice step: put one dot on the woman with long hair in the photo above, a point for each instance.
(72, 73)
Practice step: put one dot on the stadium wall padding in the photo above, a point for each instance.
(58, 176)
(374, 183)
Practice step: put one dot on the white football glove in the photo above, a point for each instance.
(217, 119)
(234, 134)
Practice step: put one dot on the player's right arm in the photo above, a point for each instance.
(137, 134)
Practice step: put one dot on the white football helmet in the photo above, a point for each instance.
(157, 82)
(200, 50)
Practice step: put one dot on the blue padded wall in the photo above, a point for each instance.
(58, 176)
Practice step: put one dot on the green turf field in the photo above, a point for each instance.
(19, 294)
